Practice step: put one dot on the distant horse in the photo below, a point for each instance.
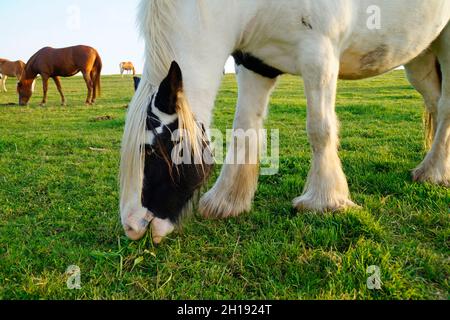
(128, 67)
(187, 46)
(10, 69)
(56, 63)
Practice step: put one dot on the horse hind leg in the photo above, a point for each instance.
(435, 168)
(94, 87)
(234, 190)
(96, 84)
(90, 87)
(424, 74)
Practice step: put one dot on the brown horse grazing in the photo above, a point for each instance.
(10, 69)
(56, 63)
(127, 66)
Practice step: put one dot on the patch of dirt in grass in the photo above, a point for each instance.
(102, 118)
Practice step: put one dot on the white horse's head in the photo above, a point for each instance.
(165, 159)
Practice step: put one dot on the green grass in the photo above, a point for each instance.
(59, 206)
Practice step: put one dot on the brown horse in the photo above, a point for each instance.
(10, 69)
(56, 63)
(127, 66)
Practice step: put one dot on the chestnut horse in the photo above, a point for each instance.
(56, 63)
(127, 66)
(10, 69)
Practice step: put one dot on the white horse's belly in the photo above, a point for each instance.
(368, 53)
(368, 59)
(360, 64)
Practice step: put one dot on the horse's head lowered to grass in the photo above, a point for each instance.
(25, 91)
(165, 160)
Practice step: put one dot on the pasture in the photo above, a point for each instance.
(59, 206)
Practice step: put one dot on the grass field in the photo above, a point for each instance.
(59, 206)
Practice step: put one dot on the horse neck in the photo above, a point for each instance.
(29, 74)
(162, 24)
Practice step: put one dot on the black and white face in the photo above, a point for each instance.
(167, 187)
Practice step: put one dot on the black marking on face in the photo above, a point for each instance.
(168, 188)
(256, 65)
(136, 81)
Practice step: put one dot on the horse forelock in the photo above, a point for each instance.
(132, 157)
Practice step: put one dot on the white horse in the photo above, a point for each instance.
(321, 40)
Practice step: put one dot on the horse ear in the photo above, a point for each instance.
(169, 89)
(175, 77)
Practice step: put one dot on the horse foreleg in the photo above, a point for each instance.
(4, 77)
(435, 168)
(45, 88)
(326, 188)
(234, 190)
(90, 87)
(57, 81)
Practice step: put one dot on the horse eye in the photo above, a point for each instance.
(149, 150)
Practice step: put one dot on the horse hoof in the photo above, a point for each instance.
(218, 205)
(431, 175)
(337, 205)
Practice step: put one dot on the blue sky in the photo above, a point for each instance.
(107, 25)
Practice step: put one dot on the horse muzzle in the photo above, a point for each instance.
(137, 223)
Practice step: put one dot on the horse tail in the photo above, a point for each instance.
(98, 65)
(430, 125)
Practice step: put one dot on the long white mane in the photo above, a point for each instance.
(156, 20)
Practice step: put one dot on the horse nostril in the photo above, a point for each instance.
(161, 229)
(136, 223)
